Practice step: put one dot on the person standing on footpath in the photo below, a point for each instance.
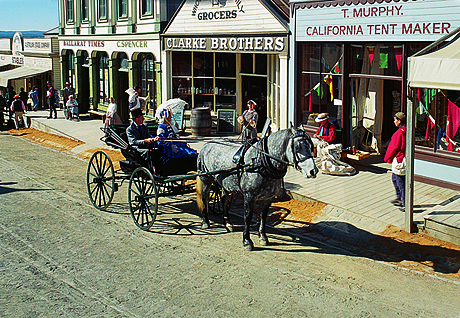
(395, 155)
(51, 100)
(68, 90)
(24, 97)
(249, 121)
(111, 117)
(18, 108)
(35, 98)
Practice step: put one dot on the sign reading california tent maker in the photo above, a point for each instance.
(419, 20)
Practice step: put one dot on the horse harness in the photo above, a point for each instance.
(265, 166)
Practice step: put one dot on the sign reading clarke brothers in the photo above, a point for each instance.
(198, 21)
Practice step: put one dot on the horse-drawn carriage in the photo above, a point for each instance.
(223, 167)
(169, 177)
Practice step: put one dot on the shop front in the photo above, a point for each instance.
(350, 60)
(220, 55)
(104, 68)
(25, 63)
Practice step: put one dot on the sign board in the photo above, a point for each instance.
(226, 120)
(426, 20)
(178, 117)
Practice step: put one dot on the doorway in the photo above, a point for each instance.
(255, 88)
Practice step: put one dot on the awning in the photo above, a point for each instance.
(439, 69)
(20, 72)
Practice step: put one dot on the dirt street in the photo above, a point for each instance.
(62, 257)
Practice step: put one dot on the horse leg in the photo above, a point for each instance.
(248, 209)
(263, 239)
(227, 199)
(203, 189)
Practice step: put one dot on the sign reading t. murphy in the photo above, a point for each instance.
(261, 44)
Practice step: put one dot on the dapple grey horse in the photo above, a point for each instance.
(258, 178)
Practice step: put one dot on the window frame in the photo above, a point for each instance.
(85, 10)
(146, 12)
(102, 13)
(122, 4)
(70, 11)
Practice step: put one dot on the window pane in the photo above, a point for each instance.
(261, 64)
(146, 7)
(103, 78)
(202, 64)
(377, 59)
(123, 8)
(309, 56)
(247, 63)
(182, 64)
(225, 65)
(84, 10)
(102, 9)
(69, 10)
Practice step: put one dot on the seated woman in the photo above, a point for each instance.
(177, 156)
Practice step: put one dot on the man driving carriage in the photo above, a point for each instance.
(140, 139)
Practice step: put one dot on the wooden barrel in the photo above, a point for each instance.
(200, 121)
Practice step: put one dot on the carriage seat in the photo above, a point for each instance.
(238, 157)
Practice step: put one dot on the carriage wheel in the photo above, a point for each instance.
(215, 199)
(143, 198)
(100, 180)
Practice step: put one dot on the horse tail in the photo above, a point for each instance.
(199, 194)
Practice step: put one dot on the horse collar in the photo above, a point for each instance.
(267, 167)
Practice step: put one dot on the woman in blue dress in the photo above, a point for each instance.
(172, 148)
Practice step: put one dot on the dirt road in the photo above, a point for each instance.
(62, 257)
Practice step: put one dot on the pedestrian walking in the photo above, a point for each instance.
(396, 155)
(24, 97)
(51, 96)
(35, 98)
(18, 108)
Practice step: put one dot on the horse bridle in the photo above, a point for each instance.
(300, 134)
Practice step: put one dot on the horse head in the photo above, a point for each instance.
(300, 153)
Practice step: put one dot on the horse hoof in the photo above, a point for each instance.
(248, 245)
(229, 227)
(263, 242)
(204, 225)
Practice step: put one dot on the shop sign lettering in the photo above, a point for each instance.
(17, 60)
(134, 44)
(422, 20)
(36, 45)
(217, 11)
(84, 43)
(234, 44)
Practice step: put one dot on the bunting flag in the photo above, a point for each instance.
(309, 103)
(429, 127)
(430, 94)
(328, 81)
(383, 61)
(336, 69)
(319, 89)
(371, 54)
(398, 56)
(453, 122)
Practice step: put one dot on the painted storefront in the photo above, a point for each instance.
(350, 60)
(220, 54)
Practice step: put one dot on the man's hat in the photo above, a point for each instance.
(136, 113)
(321, 117)
(401, 116)
(16, 96)
(48, 82)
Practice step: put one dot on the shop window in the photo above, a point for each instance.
(247, 63)
(69, 11)
(146, 7)
(84, 10)
(377, 59)
(320, 83)
(124, 63)
(438, 119)
(103, 74)
(147, 77)
(225, 65)
(122, 9)
(254, 63)
(182, 64)
(102, 10)
(203, 64)
(85, 58)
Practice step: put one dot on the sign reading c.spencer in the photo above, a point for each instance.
(415, 20)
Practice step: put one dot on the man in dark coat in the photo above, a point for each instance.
(139, 137)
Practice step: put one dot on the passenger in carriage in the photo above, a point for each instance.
(167, 131)
(140, 139)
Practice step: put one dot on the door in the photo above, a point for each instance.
(255, 88)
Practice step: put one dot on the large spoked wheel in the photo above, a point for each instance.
(215, 199)
(100, 179)
(143, 198)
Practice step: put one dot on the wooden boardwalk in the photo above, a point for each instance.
(364, 199)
